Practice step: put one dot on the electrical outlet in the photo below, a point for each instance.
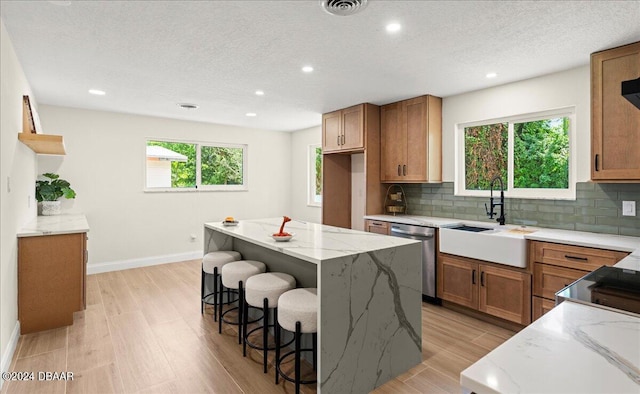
(628, 208)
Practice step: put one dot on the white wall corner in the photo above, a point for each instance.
(119, 265)
(7, 356)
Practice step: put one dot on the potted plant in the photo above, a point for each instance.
(49, 191)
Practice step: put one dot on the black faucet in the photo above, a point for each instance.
(490, 212)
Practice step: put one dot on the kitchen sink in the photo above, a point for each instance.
(470, 228)
(499, 244)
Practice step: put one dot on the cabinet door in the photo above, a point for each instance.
(331, 131)
(353, 128)
(393, 143)
(541, 306)
(505, 293)
(615, 122)
(414, 119)
(457, 281)
(374, 226)
(547, 279)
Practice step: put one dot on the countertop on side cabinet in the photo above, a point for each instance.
(53, 225)
(573, 348)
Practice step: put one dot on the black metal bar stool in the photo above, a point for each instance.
(298, 313)
(234, 275)
(212, 263)
(262, 291)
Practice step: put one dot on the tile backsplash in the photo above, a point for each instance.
(597, 208)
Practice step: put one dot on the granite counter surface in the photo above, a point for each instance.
(54, 225)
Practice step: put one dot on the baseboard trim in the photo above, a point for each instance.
(141, 262)
(7, 356)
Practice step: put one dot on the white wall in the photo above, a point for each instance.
(300, 141)
(18, 163)
(566, 88)
(105, 165)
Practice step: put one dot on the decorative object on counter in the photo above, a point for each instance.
(281, 232)
(230, 221)
(395, 200)
(49, 191)
(282, 238)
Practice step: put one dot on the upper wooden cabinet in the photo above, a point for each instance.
(411, 140)
(344, 130)
(615, 122)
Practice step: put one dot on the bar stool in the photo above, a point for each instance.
(212, 263)
(233, 276)
(298, 313)
(262, 291)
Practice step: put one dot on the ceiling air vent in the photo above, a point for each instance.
(343, 7)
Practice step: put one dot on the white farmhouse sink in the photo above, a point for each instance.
(501, 244)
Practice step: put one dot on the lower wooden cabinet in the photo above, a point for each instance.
(51, 280)
(556, 266)
(375, 226)
(500, 292)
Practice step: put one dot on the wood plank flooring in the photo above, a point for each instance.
(142, 332)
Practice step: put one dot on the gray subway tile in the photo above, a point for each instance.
(597, 228)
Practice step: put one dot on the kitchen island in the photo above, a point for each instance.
(369, 291)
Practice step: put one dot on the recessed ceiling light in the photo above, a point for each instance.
(97, 92)
(393, 27)
(259, 93)
(188, 106)
(492, 75)
(307, 69)
(252, 114)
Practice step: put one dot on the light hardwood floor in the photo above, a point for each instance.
(143, 332)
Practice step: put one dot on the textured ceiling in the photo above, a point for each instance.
(150, 55)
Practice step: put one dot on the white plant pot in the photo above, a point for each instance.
(50, 208)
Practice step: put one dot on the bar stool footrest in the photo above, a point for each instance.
(285, 376)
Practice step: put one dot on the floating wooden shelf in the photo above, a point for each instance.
(45, 144)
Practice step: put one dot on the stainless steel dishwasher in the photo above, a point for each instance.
(427, 235)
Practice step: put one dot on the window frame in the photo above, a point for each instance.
(198, 186)
(511, 192)
(312, 200)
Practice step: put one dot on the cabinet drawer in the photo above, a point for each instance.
(576, 257)
(541, 306)
(548, 279)
(378, 227)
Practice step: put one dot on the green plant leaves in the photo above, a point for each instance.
(54, 189)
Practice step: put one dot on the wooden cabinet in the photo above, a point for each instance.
(615, 122)
(51, 280)
(351, 160)
(488, 288)
(555, 266)
(344, 130)
(411, 140)
(375, 226)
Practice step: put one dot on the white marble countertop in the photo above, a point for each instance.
(312, 242)
(577, 238)
(53, 225)
(574, 348)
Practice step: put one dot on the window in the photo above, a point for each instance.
(531, 153)
(184, 165)
(315, 176)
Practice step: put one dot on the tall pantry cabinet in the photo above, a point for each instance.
(351, 159)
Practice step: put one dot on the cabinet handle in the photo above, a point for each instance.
(566, 256)
(404, 170)
(338, 140)
(597, 162)
(342, 139)
(482, 278)
(473, 277)
(399, 173)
